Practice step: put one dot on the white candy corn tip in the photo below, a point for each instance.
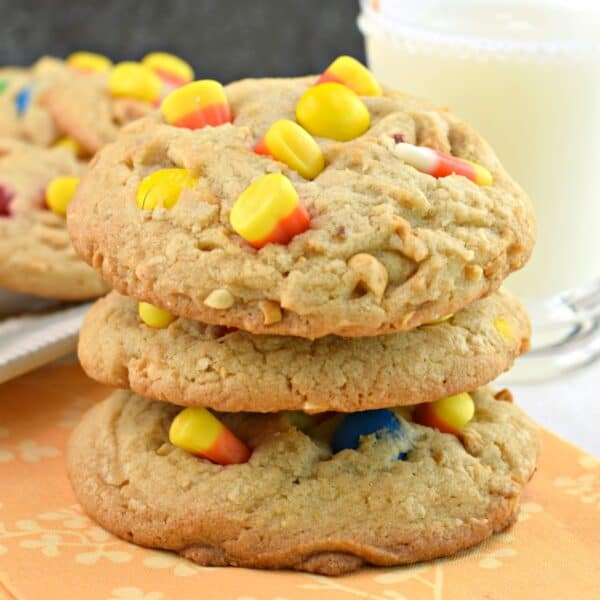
(421, 158)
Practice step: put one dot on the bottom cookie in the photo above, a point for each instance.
(412, 495)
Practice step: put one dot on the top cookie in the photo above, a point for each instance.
(389, 247)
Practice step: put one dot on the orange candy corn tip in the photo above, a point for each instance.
(288, 143)
(199, 432)
(351, 73)
(269, 211)
(197, 105)
(170, 68)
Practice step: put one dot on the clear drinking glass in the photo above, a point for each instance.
(526, 74)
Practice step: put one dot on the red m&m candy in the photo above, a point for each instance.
(7, 195)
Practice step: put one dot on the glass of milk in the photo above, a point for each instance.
(526, 74)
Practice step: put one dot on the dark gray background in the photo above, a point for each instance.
(222, 39)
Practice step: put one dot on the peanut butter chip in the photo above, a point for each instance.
(271, 311)
(473, 272)
(504, 395)
(220, 299)
(371, 274)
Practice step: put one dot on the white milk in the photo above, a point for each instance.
(525, 74)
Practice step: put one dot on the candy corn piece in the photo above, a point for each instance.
(71, 144)
(332, 110)
(88, 62)
(348, 71)
(269, 211)
(448, 415)
(288, 143)
(163, 188)
(155, 317)
(199, 432)
(196, 105)
(134, 80)
(440, 164)
(503, 327)
(60, 192)
(173, 71)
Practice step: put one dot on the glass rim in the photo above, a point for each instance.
(369, 19)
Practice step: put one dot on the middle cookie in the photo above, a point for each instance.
(189, 363)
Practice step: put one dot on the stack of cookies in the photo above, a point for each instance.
(307, 312)
(53, 117)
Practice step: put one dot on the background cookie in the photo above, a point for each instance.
(293, 505)
(435, 243)
(190, 363)
(84, 110)
(36, 256)
(22, 116)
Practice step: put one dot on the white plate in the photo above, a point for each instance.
(30, 341)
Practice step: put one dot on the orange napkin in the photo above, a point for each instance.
(50, 549)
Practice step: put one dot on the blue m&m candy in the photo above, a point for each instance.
(355, 425)
(22, 100)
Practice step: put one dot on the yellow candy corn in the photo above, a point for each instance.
(287, 142)
(170, 68)
(89, 62)
(196, 105)
(73, 145)
(60, 192)
(332, 110)
(134, 80)
(448, 415)
(198, 431)
(502, 326)
(163, 188)
(269, 211)
(350, 72)
(154, 316)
